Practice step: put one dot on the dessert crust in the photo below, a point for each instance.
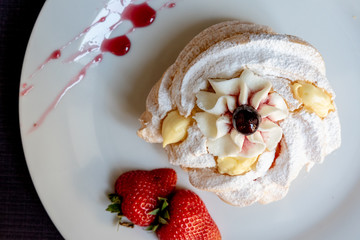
(307, 139)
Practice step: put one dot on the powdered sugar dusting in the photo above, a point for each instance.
(223, 51)
(196, 156)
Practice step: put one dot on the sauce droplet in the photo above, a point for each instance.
(74, 81)
(118, 46)
(171, 5)
(55, 55)
(141, 15)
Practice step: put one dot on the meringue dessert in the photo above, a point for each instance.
(242, 110)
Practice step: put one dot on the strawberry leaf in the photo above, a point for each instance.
(114, 208)
(166, 215)
(155, 211)
(162, 220)
(155, 228)
(152, 227)
(164, 205)
(114, 198)
(161, 214)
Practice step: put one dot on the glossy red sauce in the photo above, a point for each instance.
(74, 81)
(140, 15)
(118, 46)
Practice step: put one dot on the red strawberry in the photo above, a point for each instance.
(140, 191)
(189, 219)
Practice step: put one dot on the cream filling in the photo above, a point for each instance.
(314, 98)
(235, 165)
(174, 128)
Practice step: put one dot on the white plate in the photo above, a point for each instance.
(90, 138)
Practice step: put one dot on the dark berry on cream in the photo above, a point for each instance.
(246, 119)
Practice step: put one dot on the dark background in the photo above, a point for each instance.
(21, 214)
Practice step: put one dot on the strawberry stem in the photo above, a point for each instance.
(127, 224)
(115, 207)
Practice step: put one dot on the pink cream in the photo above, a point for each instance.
(140, 15)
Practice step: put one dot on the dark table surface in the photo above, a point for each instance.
(21, 214)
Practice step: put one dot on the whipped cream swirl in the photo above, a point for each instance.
(221, 52)
(224, 140)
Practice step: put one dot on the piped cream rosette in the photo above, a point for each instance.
(280, 78)
(216, 122)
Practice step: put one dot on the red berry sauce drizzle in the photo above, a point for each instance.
(111, 17)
